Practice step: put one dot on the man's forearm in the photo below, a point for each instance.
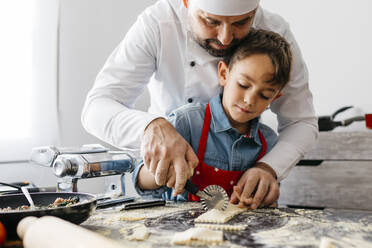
(293, 143)
(114, 123)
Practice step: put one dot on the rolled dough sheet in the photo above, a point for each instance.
(198, 236)
(219, 216)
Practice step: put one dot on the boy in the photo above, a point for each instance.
(226, 133)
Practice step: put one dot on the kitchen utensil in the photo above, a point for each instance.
(212, 197)
(219, 200)
(45, 155)
(28, 197)
(71, 164)
(17, 189)
(49, 231)
(327, 123)
(69, 168)
(143, 204)
(76, 213)
(368, 118)
(112, 202)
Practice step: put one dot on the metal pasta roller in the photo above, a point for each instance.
(212, 197)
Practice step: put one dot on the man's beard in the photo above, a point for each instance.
(216, 52)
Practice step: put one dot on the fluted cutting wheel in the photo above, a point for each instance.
(219, 200)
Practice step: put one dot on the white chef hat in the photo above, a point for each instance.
(226, 7)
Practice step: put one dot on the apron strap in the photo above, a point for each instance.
(204, 134)
(264, 145)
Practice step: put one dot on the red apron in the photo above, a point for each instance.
(205, 175)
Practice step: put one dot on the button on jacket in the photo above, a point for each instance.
(158, 52)
(226, 149)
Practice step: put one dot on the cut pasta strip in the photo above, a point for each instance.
(222, 227)
(131, 218)
(198, 236)
(219, 216)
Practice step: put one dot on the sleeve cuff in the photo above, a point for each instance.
(282, 158)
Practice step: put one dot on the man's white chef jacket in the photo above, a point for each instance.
(158, 52)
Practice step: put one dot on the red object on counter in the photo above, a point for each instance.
(2, 234)
(369, 121)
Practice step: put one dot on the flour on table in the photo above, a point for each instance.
(219, 216)
(137, 232)
(326, 243)
(104, 232)
(198, 236)
(110, 221)
(310, 232)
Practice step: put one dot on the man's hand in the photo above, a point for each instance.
(167, 155)
(257, 187)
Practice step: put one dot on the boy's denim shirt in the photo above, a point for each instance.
(226, 149)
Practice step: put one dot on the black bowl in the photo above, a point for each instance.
(76, 213)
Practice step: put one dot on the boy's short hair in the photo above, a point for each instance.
(266, 42)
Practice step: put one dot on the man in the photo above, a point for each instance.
(173, 48)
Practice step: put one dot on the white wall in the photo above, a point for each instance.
(335, 37)
(89, 31)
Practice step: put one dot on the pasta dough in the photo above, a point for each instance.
(219, 216)
(198, 236)
(223, 227)
(131, 218)
(136, 232)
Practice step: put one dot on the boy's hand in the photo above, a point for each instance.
(257, 187)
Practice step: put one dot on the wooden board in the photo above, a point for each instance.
(335, 184)
(342, 146)
(336, 173)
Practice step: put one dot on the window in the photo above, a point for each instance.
(28, 79)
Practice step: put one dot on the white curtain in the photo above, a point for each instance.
(28, 76)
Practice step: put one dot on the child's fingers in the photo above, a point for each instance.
(235, 197)
(274, 205)
(242, 202)
(249, 187)
(262, 190)
(238, 191)
(272, 195)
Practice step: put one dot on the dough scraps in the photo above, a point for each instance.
(198, 236)
(219, 216)
(135, 232)
(326, 242)
(223, 227)
(131, 218)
